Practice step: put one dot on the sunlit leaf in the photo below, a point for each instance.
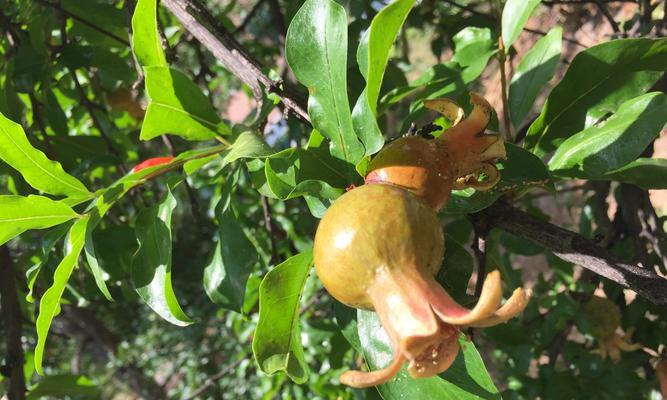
(50, 302)
(316, 50)
(277, 341)
(40, 172)
(178, 107)
(19, 214)
(151, 264)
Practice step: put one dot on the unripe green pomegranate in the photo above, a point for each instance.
(380, 245)
(604, 318)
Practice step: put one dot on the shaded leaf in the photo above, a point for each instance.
(277, 341)
(95, 268)
(50, 302)
(61, 386)
(40, 172)
(151, 264)
(534, 71)
(647, 173)
(19, 214)
(233, 259)
(178, 107)
(615, 142)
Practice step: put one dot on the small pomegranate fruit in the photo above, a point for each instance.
(605, 318)
(380, 245)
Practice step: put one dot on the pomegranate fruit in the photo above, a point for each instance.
(380, 245)
(604, 318)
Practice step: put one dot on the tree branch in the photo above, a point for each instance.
(574, 248)
(203, 26)
(12, 320)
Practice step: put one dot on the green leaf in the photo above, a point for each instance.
(467, 378)
(234, 256)
(178, 107)
(40, 172)
(50, 301)
(316, 50)
(95, 268)
(515, 16)
(19, 214)
(372, 57)
(615, 142)
(647, 173)
(534, 71)
(277, 341)
(151, 264)
(597, 82)
(248, 145)
(62, 386)
(146, 42)
(456, 268)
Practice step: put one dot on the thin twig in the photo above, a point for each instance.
(605, 11)
(249, 17)
(502, 58)
(215, 378)
(481, 233)
(268, 224)
(84, 21)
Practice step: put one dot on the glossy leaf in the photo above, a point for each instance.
(93, 263)
(597, 82)
(50, 302)
(61, 386)
(535, 70)
(151, 264)
(372, 57)
(647, 173)
(40, 172)
(514, 18)
(277, 341)
(178, 107)
(19, 214)
(467, 378)
(615, 142)
(146, 43)
(316, 50)
(233, 259)
(248, 145)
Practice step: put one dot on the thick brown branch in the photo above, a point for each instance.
(203, 26)
(12, 321)
(574, 248)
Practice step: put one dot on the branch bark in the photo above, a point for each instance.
(574, 248)
(202, 25)
(12, 320)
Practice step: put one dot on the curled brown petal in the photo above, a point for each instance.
(512, 307)
(361, 379)
(446, 107)
(453, 313)
(475, 123)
